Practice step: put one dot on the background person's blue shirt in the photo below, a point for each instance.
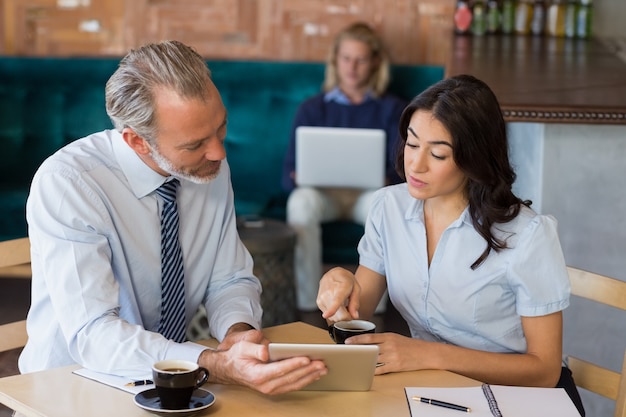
(448, 301)
(340, 97)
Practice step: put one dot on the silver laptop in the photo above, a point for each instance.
(340, 157)
(350, 367)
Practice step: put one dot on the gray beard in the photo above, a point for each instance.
(163, 163)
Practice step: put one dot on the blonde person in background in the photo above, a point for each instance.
(357, 76)
(478, 276)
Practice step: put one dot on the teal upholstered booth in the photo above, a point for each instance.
(48, 102)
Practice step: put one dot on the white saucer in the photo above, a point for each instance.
(149, 401)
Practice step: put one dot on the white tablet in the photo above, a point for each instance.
(350, 367)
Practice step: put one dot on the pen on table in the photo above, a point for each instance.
(139, 383)
(443, 404)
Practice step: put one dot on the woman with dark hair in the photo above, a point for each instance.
(478, 276)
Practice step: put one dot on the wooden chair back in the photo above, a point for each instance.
(597, 379)
(14, 255)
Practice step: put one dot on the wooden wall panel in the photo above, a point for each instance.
(216, 28)
(63, 27)
(415, 31)
(303, 30)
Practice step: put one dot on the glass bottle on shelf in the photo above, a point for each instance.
(479, 18)
(523, 16)
(462, 18)
(571, 11)
(538, 22)
(494, 17)
(555, 21)
(583, 19)
(508, 17)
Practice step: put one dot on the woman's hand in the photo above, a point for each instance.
(338, 295)
(396, 353)
(540, 366)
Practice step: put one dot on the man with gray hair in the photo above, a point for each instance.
(120, 268)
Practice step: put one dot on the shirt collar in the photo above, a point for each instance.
(415, 212)
(339, 97)
(142, 179)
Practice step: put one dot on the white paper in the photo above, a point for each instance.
(114, 381)
(512, 401)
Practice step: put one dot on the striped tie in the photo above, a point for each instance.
(172, 324)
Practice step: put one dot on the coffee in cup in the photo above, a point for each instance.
(342, 330)
(175, 381)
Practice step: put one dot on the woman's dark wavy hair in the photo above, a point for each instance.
(470, 111)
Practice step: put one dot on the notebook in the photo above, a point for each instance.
(350, 367)
(340, 157)
(493, 400)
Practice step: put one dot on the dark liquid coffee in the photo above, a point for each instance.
(353, 328)
(342, 330)
(175, 370)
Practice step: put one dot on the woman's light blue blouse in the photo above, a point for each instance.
(448, 301)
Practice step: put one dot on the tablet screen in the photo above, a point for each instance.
(350, 367)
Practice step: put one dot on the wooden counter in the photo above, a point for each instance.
(546, 80)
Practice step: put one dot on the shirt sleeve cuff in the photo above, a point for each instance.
(187, 351)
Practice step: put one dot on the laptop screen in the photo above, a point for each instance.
(340, 157)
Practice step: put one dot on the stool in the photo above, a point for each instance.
(271, 243)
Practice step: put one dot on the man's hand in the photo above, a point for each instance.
(247, 363)
(239, 332)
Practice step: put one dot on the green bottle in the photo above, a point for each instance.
(494, 17)
(479, 18)
(508, 17)
(583, 19)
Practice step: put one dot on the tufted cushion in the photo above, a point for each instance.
(48, 102)
(44, 104)
(261, 99)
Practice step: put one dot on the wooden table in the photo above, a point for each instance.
(59, 393)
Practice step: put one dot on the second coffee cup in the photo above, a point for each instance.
(175, 381)
(342, 330)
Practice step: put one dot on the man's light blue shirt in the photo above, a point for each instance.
(94, 225)
(448, 301)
